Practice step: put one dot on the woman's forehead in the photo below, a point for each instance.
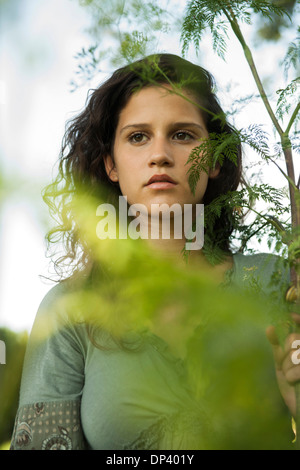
(152, 101)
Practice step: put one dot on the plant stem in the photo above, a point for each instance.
(285, 142)
(248, 54)
(293, 117)
(287, 150)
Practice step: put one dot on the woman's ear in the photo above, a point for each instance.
(214, 172)
(111, 169)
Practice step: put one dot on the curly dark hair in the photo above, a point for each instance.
(89, 137)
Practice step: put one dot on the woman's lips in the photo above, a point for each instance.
(161, 182)
(161, 185)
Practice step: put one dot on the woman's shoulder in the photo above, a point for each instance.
(54, 360)
(264, 271)
(55, 293)
(60, 307)
(260, 260)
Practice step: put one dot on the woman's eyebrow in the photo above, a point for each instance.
(174, 124)
(188, 124)
(135, 126)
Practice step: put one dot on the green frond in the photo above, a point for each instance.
(202, 15)
(267, 8)
(257, 139)
(210, 152)
(213, 253)
(219, 36)
(133, 45)
(292, 56)
(287, 97)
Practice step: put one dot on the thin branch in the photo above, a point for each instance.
(269, 221)
(286, 146)
(238, 33)
(291, 182)
(293, 117)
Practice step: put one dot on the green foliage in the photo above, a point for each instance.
(215, 16)
(234, 378)
(286, 99)
(120, 19)
(210, 152)
(224, 327)
(292, 56)
(202, 15)
(238, 393)
(271, 224)
(273, 30)
(123, 31)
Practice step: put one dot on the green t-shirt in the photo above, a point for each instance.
(77, 395)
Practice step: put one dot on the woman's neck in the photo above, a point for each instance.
(174, 249)
(168, 235)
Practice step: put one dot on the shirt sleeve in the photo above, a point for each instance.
(48, 416)
(52, 425)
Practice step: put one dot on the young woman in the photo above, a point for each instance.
(90, 379)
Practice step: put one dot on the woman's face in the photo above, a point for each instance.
(156, 132)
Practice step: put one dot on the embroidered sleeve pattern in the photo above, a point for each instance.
(52, 425)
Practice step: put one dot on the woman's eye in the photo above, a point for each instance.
(137, 138)
(183, 136)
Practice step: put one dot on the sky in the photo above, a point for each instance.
(38, 42)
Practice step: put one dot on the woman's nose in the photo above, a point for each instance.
(161, 153)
